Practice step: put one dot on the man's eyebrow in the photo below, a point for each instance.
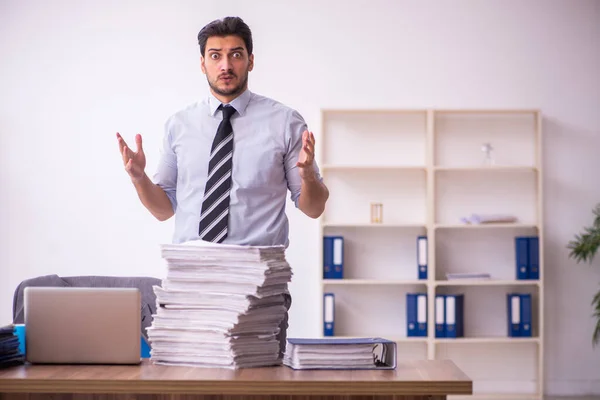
(234, 49)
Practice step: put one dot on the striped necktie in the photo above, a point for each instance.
(215, 205)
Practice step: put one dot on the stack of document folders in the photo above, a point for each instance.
(340, 353)
(10, 353)
(220, 305)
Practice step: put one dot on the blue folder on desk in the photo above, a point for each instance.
(327, 353)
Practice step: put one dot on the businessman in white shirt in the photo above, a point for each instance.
(228, 160)
(272, 152)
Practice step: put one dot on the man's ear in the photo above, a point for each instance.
(202, 65)
(250, 62)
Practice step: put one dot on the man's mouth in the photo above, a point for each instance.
(226, 78)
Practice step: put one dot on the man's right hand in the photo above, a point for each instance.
(134, 162)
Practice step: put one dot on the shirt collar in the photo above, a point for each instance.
(239, 103)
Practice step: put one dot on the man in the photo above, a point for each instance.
(228, 161)
(269, 152)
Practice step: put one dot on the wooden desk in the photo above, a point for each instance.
(419, 380)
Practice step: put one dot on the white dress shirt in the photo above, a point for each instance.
(267, 140)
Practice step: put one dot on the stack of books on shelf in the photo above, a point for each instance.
(9, 347)
(477, 219)
(478, 276)
(220, 305)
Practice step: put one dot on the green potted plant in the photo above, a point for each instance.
(584, 248)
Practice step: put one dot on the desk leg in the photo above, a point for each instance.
(63, 396)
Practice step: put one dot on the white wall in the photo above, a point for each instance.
(72, 73)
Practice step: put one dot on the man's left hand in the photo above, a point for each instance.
(307, 155)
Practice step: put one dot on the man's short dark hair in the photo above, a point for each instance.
(225, 27)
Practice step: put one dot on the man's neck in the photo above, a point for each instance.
(227, 99)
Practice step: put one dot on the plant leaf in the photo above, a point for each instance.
(585, 245)
(596, 306)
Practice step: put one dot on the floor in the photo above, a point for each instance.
(572, 398)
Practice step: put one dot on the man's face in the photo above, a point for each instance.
(226, 64)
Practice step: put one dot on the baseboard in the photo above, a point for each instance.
(563, 387)
(509, 387)
(573, 387)
(501, 390)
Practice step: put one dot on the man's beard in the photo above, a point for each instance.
(234, 90)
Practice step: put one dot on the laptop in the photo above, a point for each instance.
(80, 325)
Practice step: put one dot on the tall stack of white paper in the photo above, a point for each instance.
(219, 305)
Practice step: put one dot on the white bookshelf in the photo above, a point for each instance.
(426, 168)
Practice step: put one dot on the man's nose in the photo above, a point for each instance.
(225, 64)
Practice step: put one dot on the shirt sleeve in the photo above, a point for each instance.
(165, 175)
(294, 128)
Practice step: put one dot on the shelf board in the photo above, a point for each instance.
(401, 339)
(346, 281)
(399, 111)
(371, 225)
(486, 111)
(352, 167)
(484, 226)
(487, 282)
(462, 282)
(409, 339)
(499, 339)
(439, 168)
(510, 168)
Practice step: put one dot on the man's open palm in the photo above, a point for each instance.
(134, 162)
(307, 155)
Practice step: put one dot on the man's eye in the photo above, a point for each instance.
(214, 56)
(237, 55)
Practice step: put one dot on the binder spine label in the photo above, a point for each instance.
(450, 316)
(514, 315)
(422, 315)
(338, 258)
(422, 257)
(337, 251)
(328, 314)
(440, 317)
